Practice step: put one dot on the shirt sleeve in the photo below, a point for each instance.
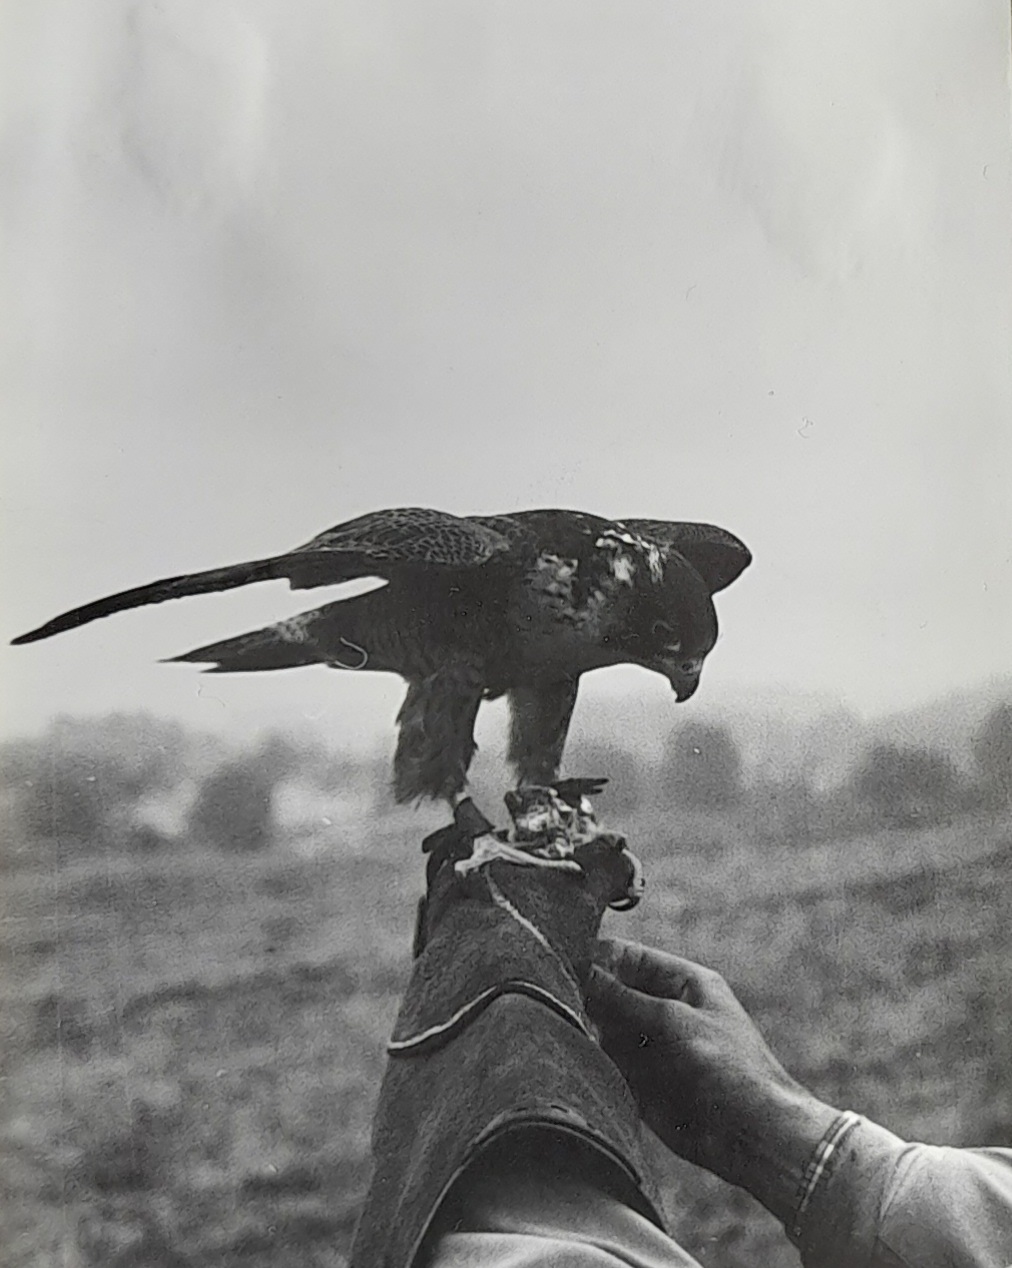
(541, 1219)
(876, 1201)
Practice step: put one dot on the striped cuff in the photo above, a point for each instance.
(820, 1166)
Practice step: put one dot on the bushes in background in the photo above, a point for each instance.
(138, 782)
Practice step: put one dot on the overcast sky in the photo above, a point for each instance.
(268, 266)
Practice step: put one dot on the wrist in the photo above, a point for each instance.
(775, 1146)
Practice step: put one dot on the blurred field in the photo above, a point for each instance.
(192, 1039)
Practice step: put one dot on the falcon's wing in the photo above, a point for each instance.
(411, 535)
(375, 545)
(717, 555)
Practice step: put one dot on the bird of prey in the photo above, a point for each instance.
(476, 607)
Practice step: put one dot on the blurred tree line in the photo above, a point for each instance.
(145, 783)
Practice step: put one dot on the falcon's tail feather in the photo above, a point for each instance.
(248, 653)
(181, 587)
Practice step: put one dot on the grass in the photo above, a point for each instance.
(192, 1041)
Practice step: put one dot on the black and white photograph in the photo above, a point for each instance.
(506, 731)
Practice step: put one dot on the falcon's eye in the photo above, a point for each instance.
(667, 636)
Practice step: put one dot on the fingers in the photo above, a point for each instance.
(658, 973)
(627, 1018)
(608, 997)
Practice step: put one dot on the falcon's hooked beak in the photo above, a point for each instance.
(684, 677)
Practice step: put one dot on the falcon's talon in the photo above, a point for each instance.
(576, 792)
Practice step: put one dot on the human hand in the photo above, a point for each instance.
(705, 1079)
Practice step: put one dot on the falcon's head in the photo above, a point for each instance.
(681, 630)
(675, 622)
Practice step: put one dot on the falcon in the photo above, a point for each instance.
(473, 608)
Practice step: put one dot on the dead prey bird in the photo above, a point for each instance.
(476, 607)
(552, 828)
